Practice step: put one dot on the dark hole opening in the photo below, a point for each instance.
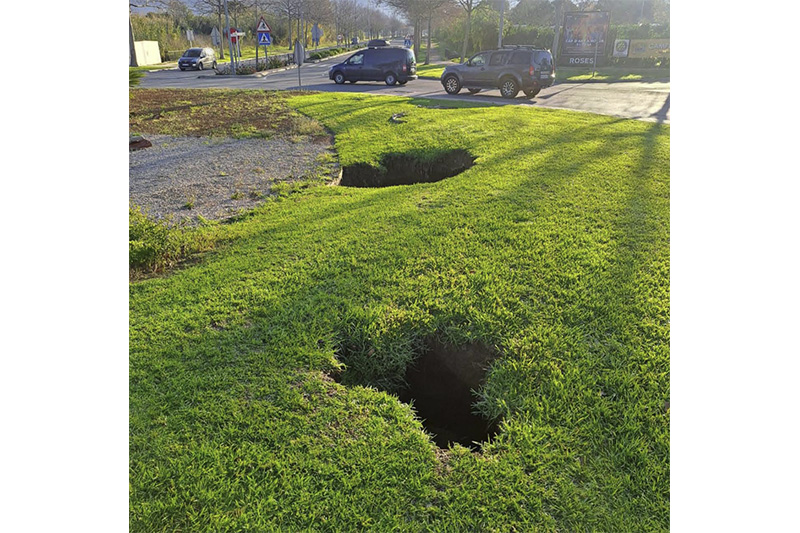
(441, 384)
(407, 169)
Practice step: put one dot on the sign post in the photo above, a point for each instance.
(299, 57)
(230, 44)
(263, 38)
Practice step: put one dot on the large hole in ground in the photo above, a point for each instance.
(406, 169)
(440, 385)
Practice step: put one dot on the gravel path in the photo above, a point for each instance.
(187, 177)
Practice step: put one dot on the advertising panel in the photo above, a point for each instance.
(649, 48)
(621, 47)
(584, 34)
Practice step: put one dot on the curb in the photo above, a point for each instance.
(283, 69)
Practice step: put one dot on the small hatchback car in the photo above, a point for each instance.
(390, 64)
(198, 58)
(509, 69)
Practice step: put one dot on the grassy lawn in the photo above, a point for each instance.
(553, 249)
(574, 74)
(612, 74)
(429, 71)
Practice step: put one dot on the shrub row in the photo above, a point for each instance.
(250, 67)
(322, 54)
(156, 244)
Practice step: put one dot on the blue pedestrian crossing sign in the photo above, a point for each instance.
(264, 39)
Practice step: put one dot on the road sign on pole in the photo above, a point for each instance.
(263, 26)
(264, 39)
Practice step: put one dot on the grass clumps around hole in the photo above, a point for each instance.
(154, 245)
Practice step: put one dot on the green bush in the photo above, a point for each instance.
(134, 77)
(322, 54)
(157, 244)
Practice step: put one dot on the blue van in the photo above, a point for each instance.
(389, 64)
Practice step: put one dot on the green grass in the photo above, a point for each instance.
(573, 74)
(430, 71)
(612, 74)
(554, 248)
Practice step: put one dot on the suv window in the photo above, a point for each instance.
(478, 60)
(520, 57)
(543, 59)
(410, 56)
(357, 59)
(498, 58)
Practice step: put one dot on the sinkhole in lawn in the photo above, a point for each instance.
(440, 385)
(407, 169)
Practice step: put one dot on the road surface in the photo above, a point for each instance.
(638, 100)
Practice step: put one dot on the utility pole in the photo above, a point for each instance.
(230, 44)
(558, 30)
(500, 35)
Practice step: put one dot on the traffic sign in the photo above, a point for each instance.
(264, 39)
(232, 34)
(263, 26)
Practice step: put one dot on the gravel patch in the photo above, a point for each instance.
(216, 178)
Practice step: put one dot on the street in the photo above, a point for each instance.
(638, 100)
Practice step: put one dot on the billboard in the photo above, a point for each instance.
(583, 33)
(649, 48)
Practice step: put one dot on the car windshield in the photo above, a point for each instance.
(192, 52)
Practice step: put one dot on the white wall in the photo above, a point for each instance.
(147, 53)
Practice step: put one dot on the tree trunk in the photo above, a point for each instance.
(466, 35)
(417, 37)
(428, 55)
(133, 61)
(221, 40)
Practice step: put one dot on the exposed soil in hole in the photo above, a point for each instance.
(406, 169)
(440, 384)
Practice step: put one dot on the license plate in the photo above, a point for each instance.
(544, 75)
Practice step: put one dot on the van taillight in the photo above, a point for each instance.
(530, 70)
(405, 68)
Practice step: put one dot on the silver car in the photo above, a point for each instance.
(198, 58)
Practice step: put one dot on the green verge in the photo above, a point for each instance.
(576, 74)
(554, 248)
(570, 74)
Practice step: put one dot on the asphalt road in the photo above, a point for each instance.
(639, 100)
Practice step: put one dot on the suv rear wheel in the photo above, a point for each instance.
(452, 85)
(391, 79)
(509, 88)
(531, 93)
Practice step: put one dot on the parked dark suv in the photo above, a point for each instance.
(198, 58)
(509, 69)
(386, 63)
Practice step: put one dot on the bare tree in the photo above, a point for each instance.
(431, 7)
(469, 6)
(414, 11)
(213, 7)
(138, 4)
